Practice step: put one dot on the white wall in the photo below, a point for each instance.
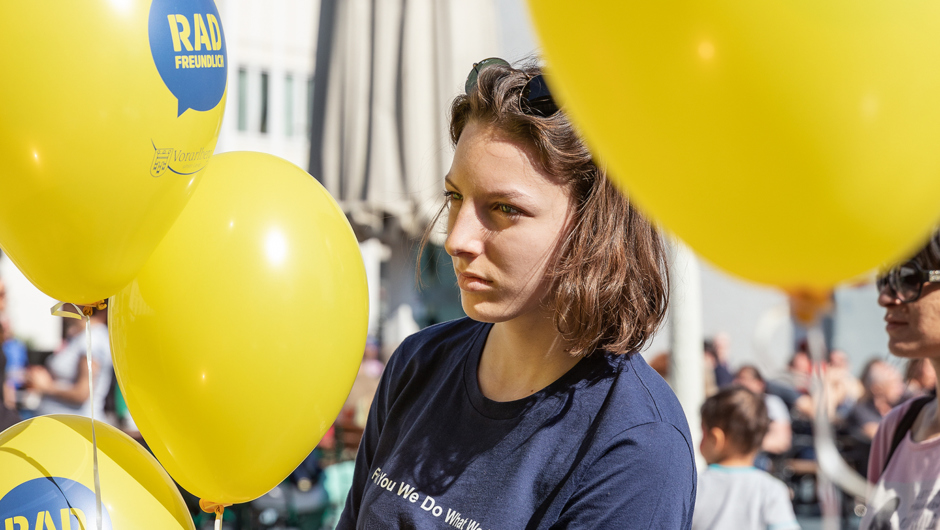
(29, 310)
(277, 37)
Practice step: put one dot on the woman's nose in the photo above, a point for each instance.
(887, 296)
(464, 231)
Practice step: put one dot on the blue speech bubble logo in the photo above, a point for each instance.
(51, 502)
(188, 48)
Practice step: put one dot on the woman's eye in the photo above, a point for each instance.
(450, 196)
(507, 209)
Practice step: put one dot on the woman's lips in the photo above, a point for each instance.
(893, 324)
(472, 282)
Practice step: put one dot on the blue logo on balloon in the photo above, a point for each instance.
(188, 47)
(50, 502)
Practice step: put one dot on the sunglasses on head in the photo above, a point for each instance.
(535, 99)
(906, 282)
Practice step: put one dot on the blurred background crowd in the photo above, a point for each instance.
(39, 381)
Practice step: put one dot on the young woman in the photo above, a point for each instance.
(907, 479)
(534, 412)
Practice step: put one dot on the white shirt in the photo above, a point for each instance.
(63, 366)
(742, 498)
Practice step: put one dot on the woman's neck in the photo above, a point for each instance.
(521, 357)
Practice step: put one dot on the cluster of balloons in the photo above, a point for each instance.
(790, 143)
(238, 295)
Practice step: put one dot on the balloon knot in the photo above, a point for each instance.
(212, 507)
(89, 309)
(808, 305)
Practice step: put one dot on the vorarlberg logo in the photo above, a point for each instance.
(165, 158)
(50, 502)
(188, 48)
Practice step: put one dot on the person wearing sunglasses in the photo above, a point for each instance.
(535, 411)
(904, 464)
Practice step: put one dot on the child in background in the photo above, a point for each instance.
(732, 493)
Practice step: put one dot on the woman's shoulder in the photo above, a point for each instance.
(646, 385)
(893, 417)
(431, 342)
(642, 410)
(446, 329)
(443, 333)
(881, 443)
(431, 357)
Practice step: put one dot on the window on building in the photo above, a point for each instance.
(264, 103)
(242, 99)
(289, 105)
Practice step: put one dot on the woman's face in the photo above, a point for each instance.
(505, 220)
(913, 328)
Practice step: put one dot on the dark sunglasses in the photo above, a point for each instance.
(906, 282)
(535, 98)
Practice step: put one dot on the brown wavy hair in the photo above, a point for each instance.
(610, 281)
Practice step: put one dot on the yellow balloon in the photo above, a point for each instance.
(239, 340)
(48, 482)
(110, 110)
(793, 143)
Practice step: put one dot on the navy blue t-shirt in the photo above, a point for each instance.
(605, 446)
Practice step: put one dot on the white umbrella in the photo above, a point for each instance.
(386, 73)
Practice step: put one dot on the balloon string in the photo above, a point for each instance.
(218, 517)
(86, 312)
(94, 437)
(831, 463)
(808, 306)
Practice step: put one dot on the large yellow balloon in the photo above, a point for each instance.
(793, 143)
(104, 127)
(47, 479)
(239, 340)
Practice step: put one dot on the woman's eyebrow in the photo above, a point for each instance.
(507, 194)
